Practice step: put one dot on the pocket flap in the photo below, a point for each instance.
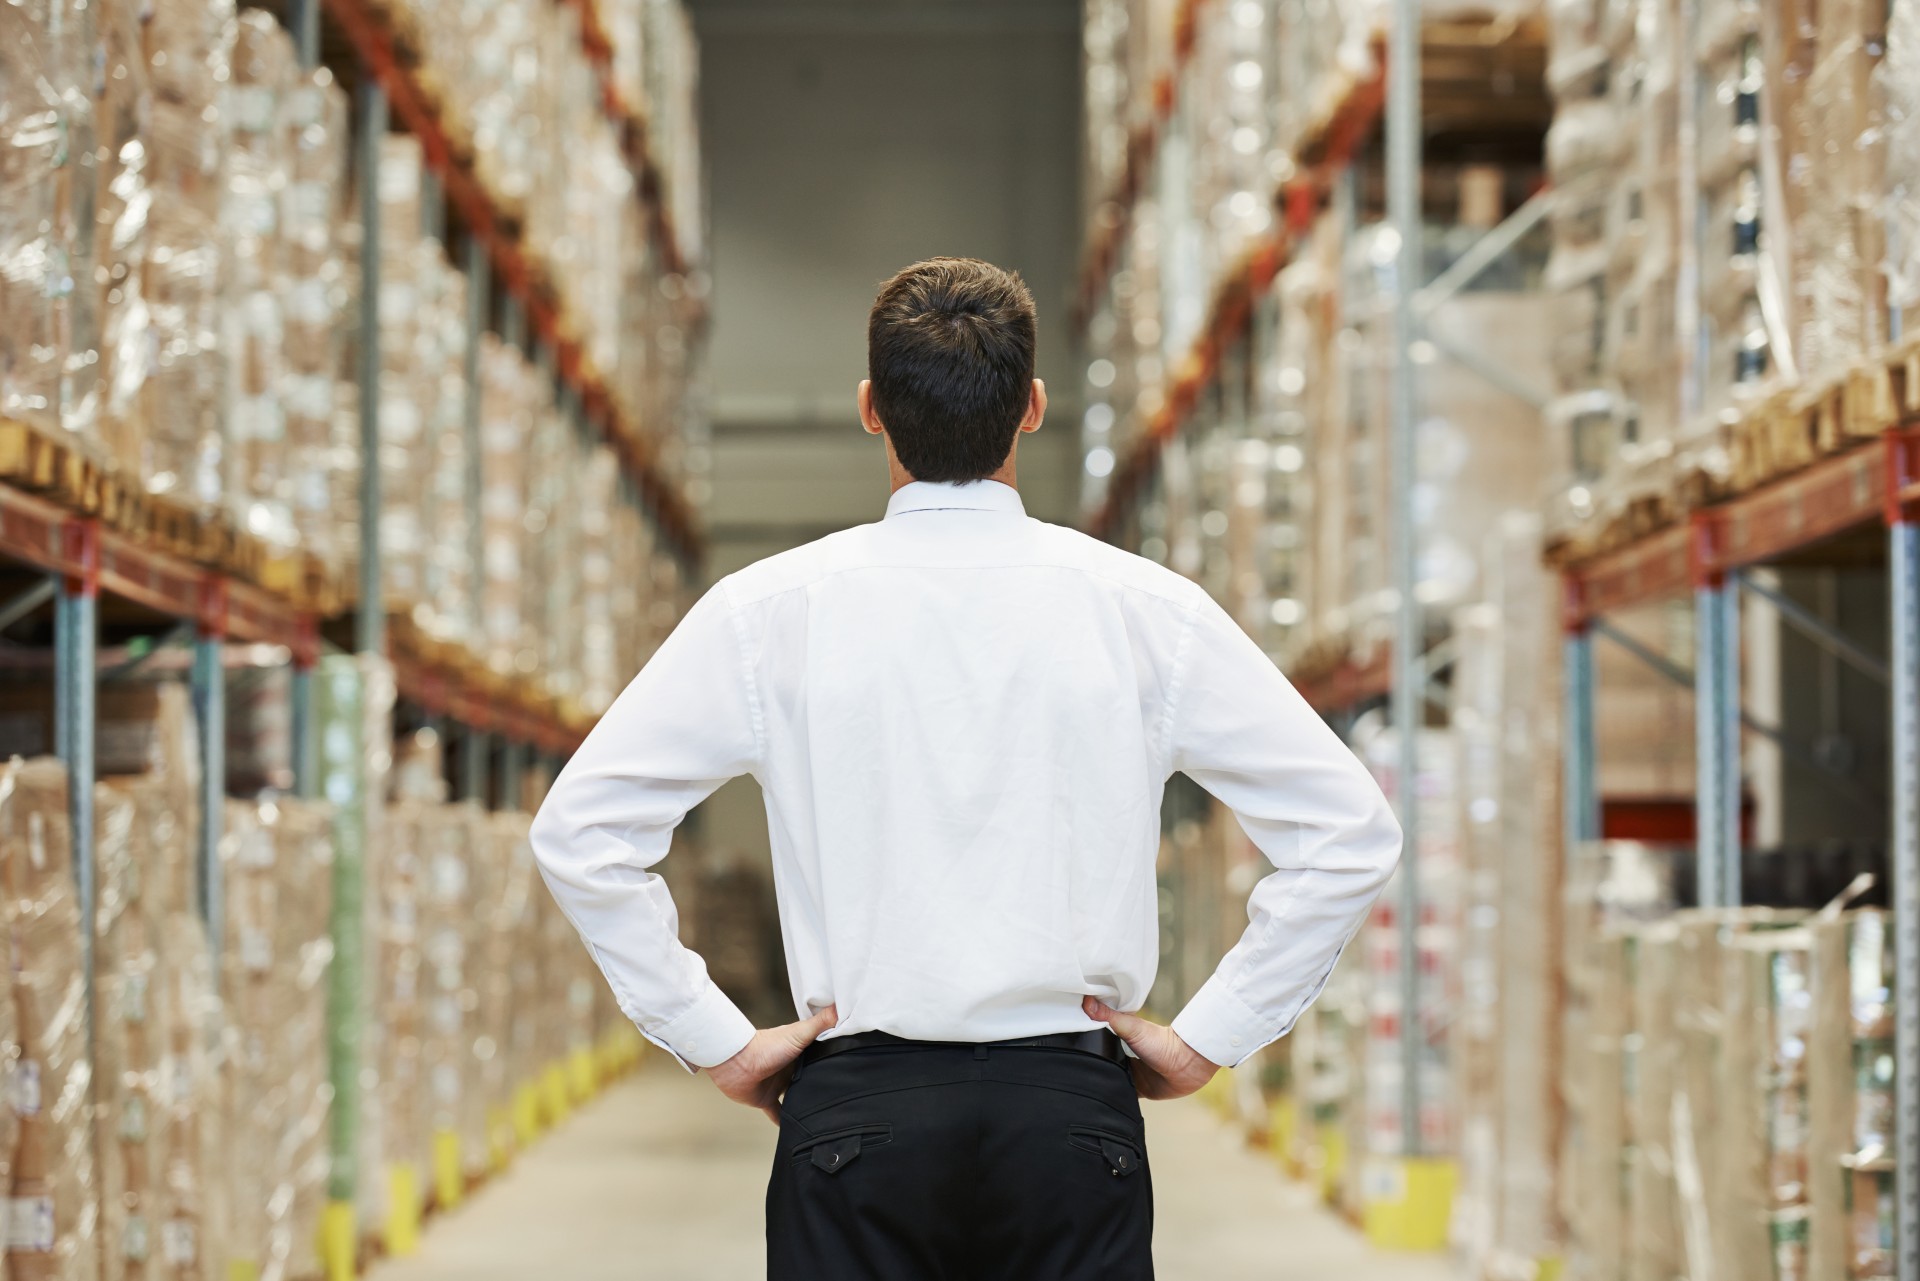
(1122, 1158)
(835, 1155)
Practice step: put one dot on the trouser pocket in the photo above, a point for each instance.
(1122, 1155)
(834, 1150)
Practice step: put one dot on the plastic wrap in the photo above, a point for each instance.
(320, 468)
(53, 1217)
(452, 842)
(47, 192)
(511, 398)
(1897, 90)
(127, 1045)
(189, 59)
(424, 548)
(257, 170)
(278, 863)
(121, 240)
(191, 1205)
(397, 1122)
(1506, 670)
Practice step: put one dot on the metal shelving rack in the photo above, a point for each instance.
(92, 572)
(1800, 518)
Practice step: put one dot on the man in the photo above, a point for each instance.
(962, 721)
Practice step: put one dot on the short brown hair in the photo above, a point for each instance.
(950, 355)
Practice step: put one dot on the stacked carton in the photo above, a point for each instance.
(54, 1212)
(1583, 154)
(278, 864)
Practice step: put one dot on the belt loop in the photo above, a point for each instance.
(980, 1052)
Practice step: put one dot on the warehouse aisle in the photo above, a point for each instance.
(661, 1181)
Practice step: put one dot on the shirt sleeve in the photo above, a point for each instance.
(1240, 730)
(685, 725)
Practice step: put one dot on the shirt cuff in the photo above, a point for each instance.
(1220, 1027)
(708, 1033)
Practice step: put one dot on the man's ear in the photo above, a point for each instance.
(1036, 408)
(864, 398)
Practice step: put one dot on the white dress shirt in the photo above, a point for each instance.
(962, 721)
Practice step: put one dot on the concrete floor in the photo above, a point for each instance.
(662, 1179)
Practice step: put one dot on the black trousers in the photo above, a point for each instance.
(960, 1163)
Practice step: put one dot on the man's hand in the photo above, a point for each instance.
(1168, 1068)
(758, 1075)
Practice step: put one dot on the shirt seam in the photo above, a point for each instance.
(1176, 686)
(748, 684)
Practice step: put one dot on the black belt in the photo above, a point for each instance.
(1098, 1041)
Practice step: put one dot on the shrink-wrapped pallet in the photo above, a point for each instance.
(127, 1048)
(123, 209)
(321, 468)
(511, 398)
(450, 842)
(257, 169)
(53, 1219)
(191, 1207)
(1850, 1099)
(426, 552)
(398, 1134)
(189, 56)
(277, 858)
(1505, 673)
(47, 311)
(1897, 91)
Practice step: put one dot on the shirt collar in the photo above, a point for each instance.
(978, 495)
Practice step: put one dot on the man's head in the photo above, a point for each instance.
(950, 368)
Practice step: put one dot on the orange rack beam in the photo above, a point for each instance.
(373, 40)
(1876, 480)
(1298, 202)
(39, 534)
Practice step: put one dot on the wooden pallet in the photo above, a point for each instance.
(55, 466)
(1798, 425)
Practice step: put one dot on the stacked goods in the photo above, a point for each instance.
(1438, 960)
(46, 213)
(1850, 1101)
(397, 1137)
(547, 150)
(122, 222)
(424, 547)
(504, 883)
(1644, 221)
(1329, 1054)
(178, 417)
(126, 1055)
(191, 1208)
(1582, 153)
(452, 842)
(318, 472)
(1897, 90)
(278, 865)
(1728, 1084)
(1128, 49)
(512, 397)
(1323, 51)
(54, 1212)
(1504, 675)
(1750, 270)
(670, 95)
(258, 169)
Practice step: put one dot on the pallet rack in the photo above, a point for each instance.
(1838, 510)
(1412, 59)
(83, 556)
